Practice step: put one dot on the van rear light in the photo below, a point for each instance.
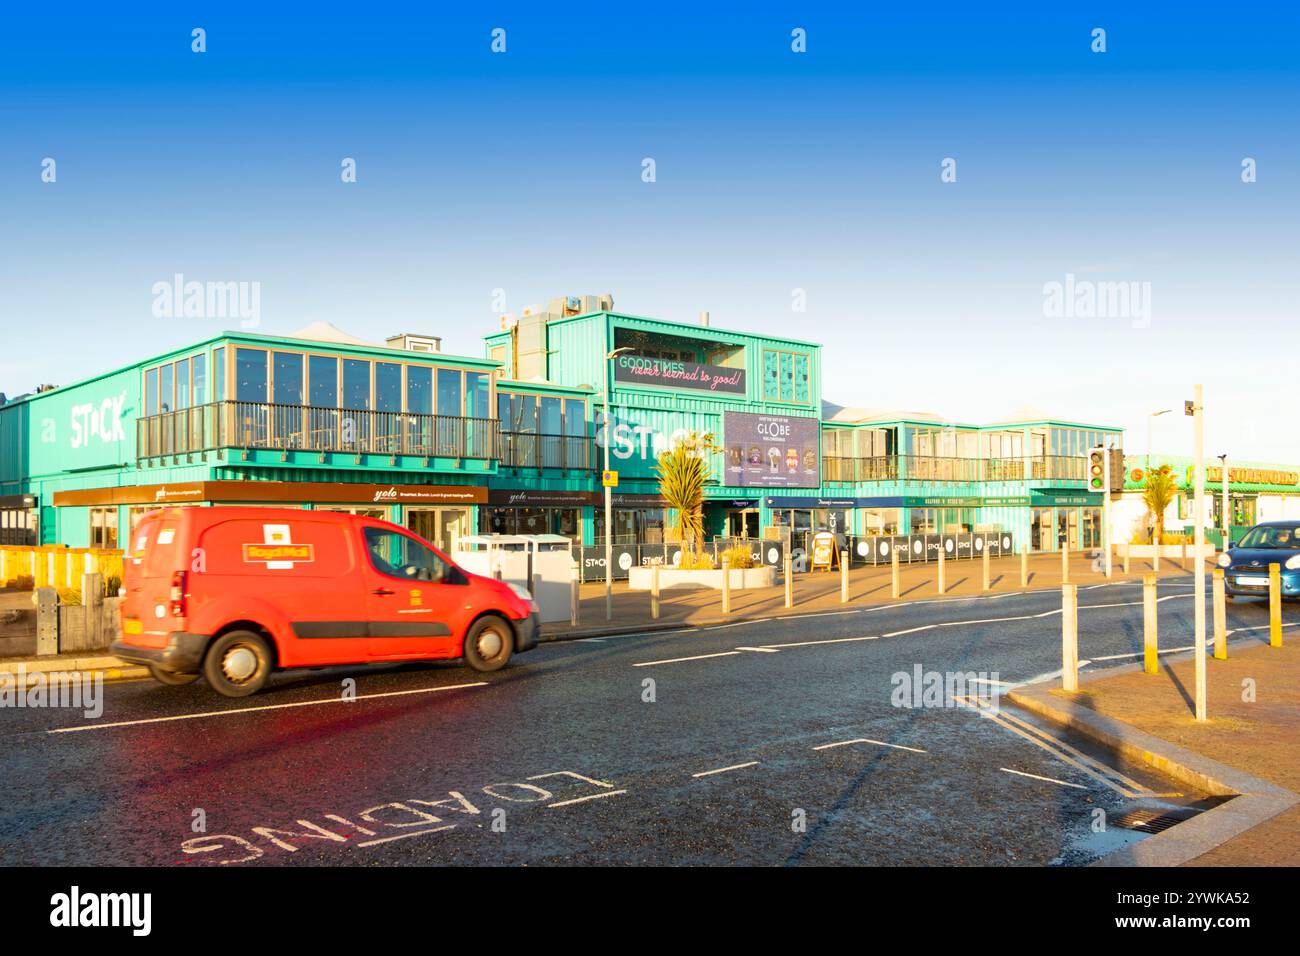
(178, 594)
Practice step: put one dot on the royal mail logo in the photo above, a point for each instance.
(278, 551)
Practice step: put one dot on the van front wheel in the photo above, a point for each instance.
(237, 664)
(488, 644)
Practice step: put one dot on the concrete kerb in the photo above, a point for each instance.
(1253, 800)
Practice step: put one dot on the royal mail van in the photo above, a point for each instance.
(236, 593)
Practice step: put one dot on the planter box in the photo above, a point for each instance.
(639, 578)
(1177, 551)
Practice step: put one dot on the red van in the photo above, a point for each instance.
(235, 593)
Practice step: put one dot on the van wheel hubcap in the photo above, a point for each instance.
(490, 644)
(239, 664)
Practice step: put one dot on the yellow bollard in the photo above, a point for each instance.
(726, 584)
(986, 564)
(941, 574)
(894, 588)
(789, 581)
(1024, 565)
(1126, 551)
(844, 577)
(1275, 605)
(1069, 637)
(1065, 564)
(1150, 625)
(1220, 617)
(654, 591)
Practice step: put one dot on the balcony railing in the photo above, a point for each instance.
(258, 425)
(531, 450)
(929, 468)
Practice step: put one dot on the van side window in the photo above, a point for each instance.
(402, 557)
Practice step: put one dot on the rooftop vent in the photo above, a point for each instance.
(407, 342)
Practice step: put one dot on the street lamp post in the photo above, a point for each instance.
(609, 497)
(1198, 542)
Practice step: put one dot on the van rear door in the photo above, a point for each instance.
(152, 557)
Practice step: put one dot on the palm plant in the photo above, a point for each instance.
(1157, 496)
(682, 471)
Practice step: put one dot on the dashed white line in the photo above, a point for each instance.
(249, 710)
(759, 650)
(868, 740)
(678, 660)
(590, 796)
(407, 836)
(739, 766)
(833, 640)
(1034, 776)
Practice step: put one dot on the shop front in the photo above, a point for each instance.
(531, 511)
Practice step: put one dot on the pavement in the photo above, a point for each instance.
(772, 742)
(1253, 728)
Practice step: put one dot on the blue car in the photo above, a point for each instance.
(1245, 564)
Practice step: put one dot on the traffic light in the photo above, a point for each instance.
(1097, 477)
(1115, 461)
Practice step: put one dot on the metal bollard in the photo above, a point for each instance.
(788, 573)
(1150, 626)
(1155, 558)
(1275, 605)
(844, 577)
(726, 584)
(1069, 637)
(1065, 564)
(894, 588)
(574, 577)
(1220, 617)
(1024, 565)
(986, 565)
(47, 620)
(1126, 551)
(942, 579)
(654, 591)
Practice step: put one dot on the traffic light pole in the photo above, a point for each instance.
(1105, 517)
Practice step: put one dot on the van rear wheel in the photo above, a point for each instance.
(238, 664)
(171, 679)
(489, 643)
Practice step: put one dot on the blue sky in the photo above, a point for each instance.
(775, 171)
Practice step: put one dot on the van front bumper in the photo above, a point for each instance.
(526, 632)
(182, 655)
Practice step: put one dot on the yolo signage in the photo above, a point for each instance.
(771, 451)
(643, 370)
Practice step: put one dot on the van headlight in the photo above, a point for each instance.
(1293, 563)
(1224, 561)
(521, 592)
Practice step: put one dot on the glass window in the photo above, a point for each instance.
(388, 387)
(166, 391)
(477, 395)
(575, 417)
(787, 377)
(419, 389)
(219, 375)
(288, 378)
(323, 381)
(356, 383)
(151, 392)
(250, 375)
(183, 383)
(200, 380)
(103, 527)
(550, 423)
(449, 391)
(401, 556)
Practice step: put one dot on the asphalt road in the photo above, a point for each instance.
(771, 743)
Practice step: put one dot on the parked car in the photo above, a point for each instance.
(236, 593)
(1245, 564)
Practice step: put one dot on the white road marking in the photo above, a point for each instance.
(739, 766)
(759, 650)
(406, 836)
(868, 740)
(249, 710)
(833, 640)
(590, 796)
(719, 627)
(678, 660)
(913, 630)
(1034, 776)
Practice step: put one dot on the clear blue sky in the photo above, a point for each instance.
(775, 171)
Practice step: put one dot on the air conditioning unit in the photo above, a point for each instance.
(414, 343)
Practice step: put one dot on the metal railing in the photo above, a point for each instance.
(307, 428)
(531, 450)
(933, 468)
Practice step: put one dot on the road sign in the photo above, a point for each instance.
(609, 479)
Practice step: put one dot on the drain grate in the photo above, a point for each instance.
(1154, 821)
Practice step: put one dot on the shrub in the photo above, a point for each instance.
(695, 562)
(740, 556)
